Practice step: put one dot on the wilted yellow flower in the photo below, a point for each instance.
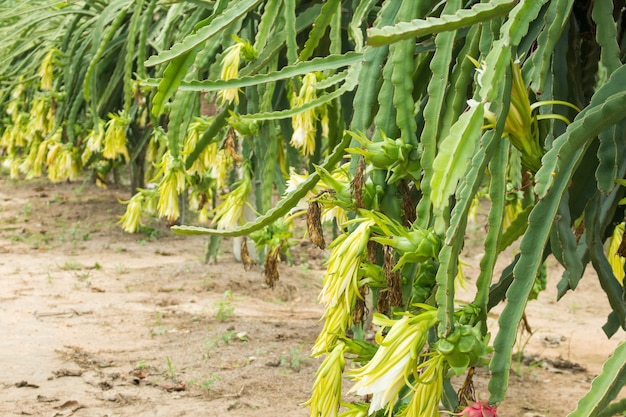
(230, 67)
(131, 220)
(615, 259)
(172, 184)
(396, 358)
(428, 388)
(330, 211)
(229, 214)
(115, 136)
(327, 386)
(304, 123)
(293, 182)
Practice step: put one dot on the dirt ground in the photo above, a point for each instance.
(96, 322)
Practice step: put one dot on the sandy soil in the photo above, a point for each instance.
(96, 322)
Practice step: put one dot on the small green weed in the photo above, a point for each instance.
(206, 382)
(150, 233)
(25, 211)
(224, 309)
(72, 266)
(293, 359)
(171, 369)
(212, 344)
(83, 278)
(160, 329)
(230, 335)
(78, 233)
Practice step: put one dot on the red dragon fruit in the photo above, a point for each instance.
(479, 409)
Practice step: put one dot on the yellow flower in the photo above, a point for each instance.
(150, 202)
(29, 161)
(396, 358)
(203, 215)
(52, 160)
(157, 144)
(304, 123)
(18, 135)
(229, 214)
(341, 278)
(35, 170)
(221, 167)
(230, 68)
(46, 70)
(131, 220)
(39, 115)
(327, 386)
(68, 163)
(62, 160)
(14, 164)
(5, 139)
(170, 187)
(341, 283)
(336, 321)
(115, 136)
(615, 259)
(94, 141)
(13, 107)
(428, 388)
(203, 162)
